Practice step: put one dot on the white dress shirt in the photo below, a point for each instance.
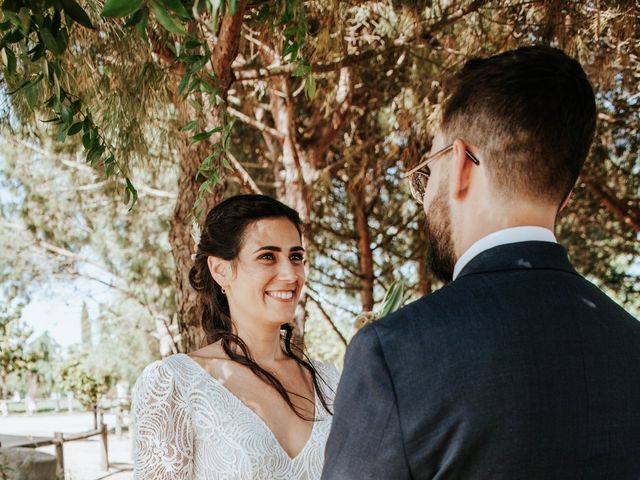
(502, 237)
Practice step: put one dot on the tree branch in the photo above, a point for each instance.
(628, 216)
(326, 317)
(255, 123)
(339, 116)
(339, 307)
(226, 47)
(252, 73)
(247, 182)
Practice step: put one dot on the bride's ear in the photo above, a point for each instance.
(220, 270)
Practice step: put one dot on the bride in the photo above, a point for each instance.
(249, 405)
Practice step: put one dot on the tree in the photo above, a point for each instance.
(86, 386)
(13, 336)
(85, 325)
(41, 354)
(331, 102)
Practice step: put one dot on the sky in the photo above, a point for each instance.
(57, 308)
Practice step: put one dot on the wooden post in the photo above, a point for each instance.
(104, 447)
(59, 453)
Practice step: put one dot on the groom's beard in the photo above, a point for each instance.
(441, 256)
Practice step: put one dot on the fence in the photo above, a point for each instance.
(59, 439)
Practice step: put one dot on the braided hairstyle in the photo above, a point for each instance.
(222, 236)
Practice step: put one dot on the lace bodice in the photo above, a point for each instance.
(187, 425)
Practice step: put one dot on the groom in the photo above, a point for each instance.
(519, 368)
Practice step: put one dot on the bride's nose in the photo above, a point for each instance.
(287, 271)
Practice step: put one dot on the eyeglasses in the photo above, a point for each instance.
(419, 175)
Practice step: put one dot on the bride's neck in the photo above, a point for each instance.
(263, 343)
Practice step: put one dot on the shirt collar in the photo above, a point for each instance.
(502, 237)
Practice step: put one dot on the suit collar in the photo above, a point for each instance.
(520, 256)
(524, 233)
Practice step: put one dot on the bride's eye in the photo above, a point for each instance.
(297, 258)
(266, 256)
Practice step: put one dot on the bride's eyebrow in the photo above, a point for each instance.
(272, 248)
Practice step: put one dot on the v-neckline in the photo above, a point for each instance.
(258, 417)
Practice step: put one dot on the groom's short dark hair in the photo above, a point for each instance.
(531, 111)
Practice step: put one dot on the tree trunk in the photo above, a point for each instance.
(300, 164)
(365, 254)
(188, 309)
(5, 388)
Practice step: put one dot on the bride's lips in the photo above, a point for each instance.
(285, 296)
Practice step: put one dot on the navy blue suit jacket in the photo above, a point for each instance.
(519, 369)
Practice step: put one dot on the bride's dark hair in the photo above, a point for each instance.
(222, 236)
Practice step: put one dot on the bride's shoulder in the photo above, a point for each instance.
(165, 371)
(327, 371)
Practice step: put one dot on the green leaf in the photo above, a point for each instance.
(198, 137)
(263, 14)
(197, 106)
(184, 82)
(134, 19)
(66, 115)
(141, 27)
(166, 20)
(95, 154)
(87, 140)
(178, 7)
(62, 38)
(49, 40)
(310, 87)
(191, 58)
(198, 65)
(75, 106)
(301, 70)
(192, 43)
(56, 22)
(226, 164)
(77, 13)
(194, 83)
(62, 133)
(189, 126)
(133, 192)
(28, 84)
(13, 37)
(233, 7)
(11, 61)
(393, 299)
(25, 19)
(75, 128)
(208, 87)
(120, 8)
(38, 52)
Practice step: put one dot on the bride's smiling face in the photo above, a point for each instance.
(268, 273)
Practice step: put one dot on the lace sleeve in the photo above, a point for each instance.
(162, 430)
(329, 379)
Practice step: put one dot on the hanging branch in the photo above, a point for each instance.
(327, 318)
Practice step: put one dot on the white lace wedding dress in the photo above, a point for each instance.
(187, 425)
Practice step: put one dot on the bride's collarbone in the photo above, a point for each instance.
(290, 430)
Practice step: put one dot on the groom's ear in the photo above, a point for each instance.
(461, 169)
(220, 270)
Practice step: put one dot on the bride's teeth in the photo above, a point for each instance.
(284, 295)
